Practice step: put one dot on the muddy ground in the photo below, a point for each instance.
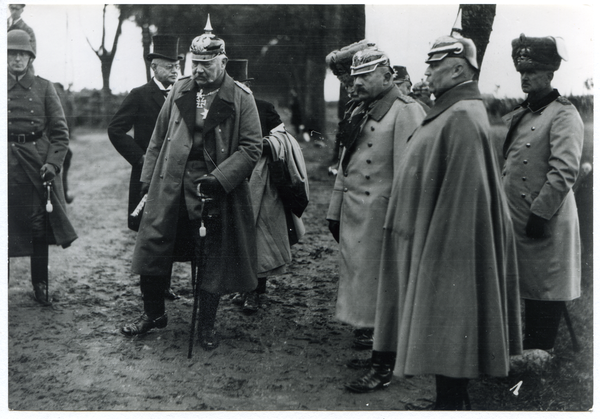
(289, 356)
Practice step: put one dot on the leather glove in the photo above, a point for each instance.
(209, 185)
(536, 227)
(144, 190)
(48, 172)
(334, 227)
(267, 151)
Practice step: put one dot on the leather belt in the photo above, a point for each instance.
(24, 138)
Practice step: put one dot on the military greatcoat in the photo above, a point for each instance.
(360, 200)
(542, 151)
(448, 298)
(233, 145)
(34, 111)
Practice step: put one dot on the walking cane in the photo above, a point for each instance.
(574, 340)
(196, 271)
(49, 209)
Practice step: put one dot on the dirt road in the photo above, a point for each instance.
(291, 355)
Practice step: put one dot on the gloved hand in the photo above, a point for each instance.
(144, 190)
(209, 185)
(267, 151)
(536, 227)
(334, 227)
(48, 172)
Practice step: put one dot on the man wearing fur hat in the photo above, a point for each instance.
(542, 150)
(374, 138)
(37, 140)
(448, 298)
(206, 142)
(139, 111)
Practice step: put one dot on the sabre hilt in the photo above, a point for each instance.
(49, 207)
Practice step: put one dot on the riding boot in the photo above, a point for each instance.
(39, 271)
(451, 393)
(262, 285)
(379, 376)
(208, 305)
(542, 319)
(153, 288)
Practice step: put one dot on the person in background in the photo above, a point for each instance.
(448, 298)
(278, 222)
(206, 143)
(422, 92)
(139, 111)
(402, 81)
(38, 140)
(543, 150)
(376, 134)
(15, 21)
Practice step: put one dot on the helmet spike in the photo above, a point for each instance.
(208, 28)
(457, 29)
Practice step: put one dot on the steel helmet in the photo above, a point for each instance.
(19, 40)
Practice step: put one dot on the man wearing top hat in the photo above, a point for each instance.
(206, 142)
(376, 134)
(543, 150)
(448, 298)
(139, 111)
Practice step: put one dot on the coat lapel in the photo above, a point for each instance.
(222, 108)
(157, 95)
(512, 120)
(187, 105)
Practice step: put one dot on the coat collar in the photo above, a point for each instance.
(382, 105)
(156, 93)
(540, 104)
(26, 81)
(221, 108)
(463, 91)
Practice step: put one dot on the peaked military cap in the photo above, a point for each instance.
(453, 46)
(367, 60)
(545, 53)
(401, 74)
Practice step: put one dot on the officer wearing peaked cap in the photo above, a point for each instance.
(543, 151)
(38, 140)
(139, 111)
(447, 300)
(377, 131)
(206, 141)
(402, 81)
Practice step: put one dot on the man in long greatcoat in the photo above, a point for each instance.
(448, 300)
(38, 140)
(379, 128)
(543, 150)
(139, 111)
(206, 142)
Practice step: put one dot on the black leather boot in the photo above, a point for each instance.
(209, 303)
(154, 317)
(378, 377)
(451, 393)
(39, 272)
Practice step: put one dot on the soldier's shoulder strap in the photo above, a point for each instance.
(243, 87)
(563, 100)
(406, 99)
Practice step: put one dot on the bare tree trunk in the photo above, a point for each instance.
(477, 21)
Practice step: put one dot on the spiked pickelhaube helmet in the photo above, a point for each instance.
(207, 46)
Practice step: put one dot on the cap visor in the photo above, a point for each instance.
(364, 70)
(437, 57)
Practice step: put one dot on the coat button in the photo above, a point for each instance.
(367, 193)
(528, 145)
(367, 177)
(369, 161)
(222, 150)
(31, 99)
(524, 178)
(345, 189)
(524, 161)
(372, 128)
(177, 121)
(370, 144)
(533, 128)
(32, 122)
(523, 195)
(346, 174)
(31, 111)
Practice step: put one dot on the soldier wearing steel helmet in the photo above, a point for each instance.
(543, 149)
(38, 140)
(207, 140)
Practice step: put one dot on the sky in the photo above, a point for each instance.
(405, 32)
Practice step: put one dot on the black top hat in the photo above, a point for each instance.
(238, 70)
(166, 47)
